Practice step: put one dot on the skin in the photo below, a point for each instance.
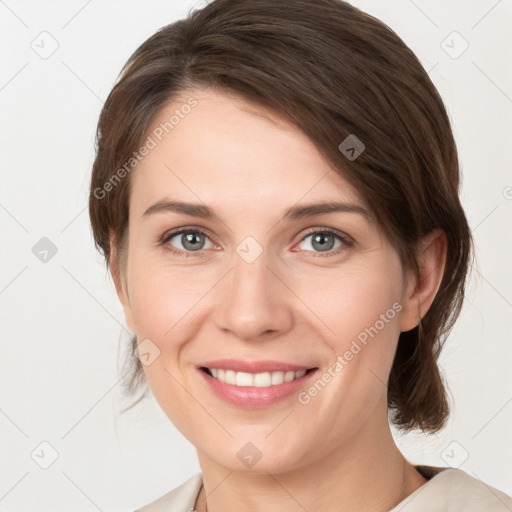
(294, 303)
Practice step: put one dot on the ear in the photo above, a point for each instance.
(120, 284)
(421, 291)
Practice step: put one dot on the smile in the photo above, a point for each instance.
(259, 380)
(254, 384)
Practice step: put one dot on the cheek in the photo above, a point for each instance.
(161, 296)
(351, 302)
(162, 302)
(153, 304)
(360, 310)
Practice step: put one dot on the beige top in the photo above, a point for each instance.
(447, 490)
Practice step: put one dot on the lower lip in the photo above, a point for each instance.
(252, 397)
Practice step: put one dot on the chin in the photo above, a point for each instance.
(260, 456)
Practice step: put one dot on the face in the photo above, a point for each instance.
(270, 327)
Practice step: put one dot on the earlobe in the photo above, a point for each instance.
(121, 288)
(421, 290)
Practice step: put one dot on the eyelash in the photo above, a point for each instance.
(345, 239)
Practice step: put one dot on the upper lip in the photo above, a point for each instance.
(239, 365)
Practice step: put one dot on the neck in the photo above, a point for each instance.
(369, 473)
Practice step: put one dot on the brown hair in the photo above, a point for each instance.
(332, 71)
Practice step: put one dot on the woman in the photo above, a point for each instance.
(303, 150)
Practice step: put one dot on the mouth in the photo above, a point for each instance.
(258, 380)
(254, 384)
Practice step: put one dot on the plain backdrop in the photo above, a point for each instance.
(60, 319)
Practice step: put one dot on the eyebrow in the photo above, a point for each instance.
(293, 213)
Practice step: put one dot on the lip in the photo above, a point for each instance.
(239, 365)
(252, 397)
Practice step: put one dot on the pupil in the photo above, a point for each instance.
(189, 239)
(320, 238)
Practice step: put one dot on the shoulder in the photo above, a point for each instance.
(448, 490)
(182, 498)
(454, 490)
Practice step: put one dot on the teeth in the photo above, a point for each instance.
(242, 379)
(262, 380)
(230, 377)
(259, 380)
(289, 376)
(277, 378)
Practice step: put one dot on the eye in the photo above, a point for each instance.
(188, 241)
(325, 241)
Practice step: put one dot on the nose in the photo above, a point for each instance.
(254, 303)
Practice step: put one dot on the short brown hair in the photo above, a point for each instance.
(332, 71)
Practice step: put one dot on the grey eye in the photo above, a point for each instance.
(190, 240)
(322, 241)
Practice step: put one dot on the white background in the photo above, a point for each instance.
(61, 323)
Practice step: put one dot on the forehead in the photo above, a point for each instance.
(225, 151)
